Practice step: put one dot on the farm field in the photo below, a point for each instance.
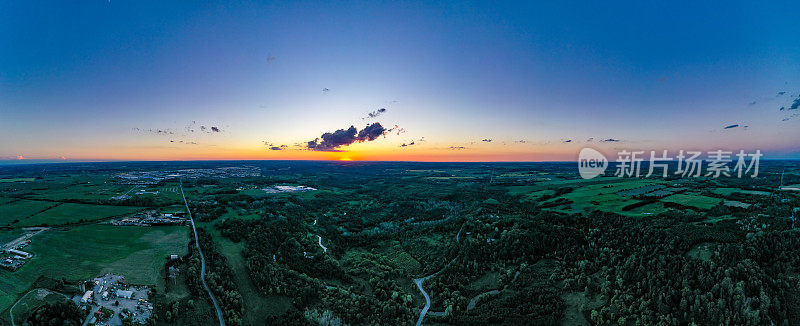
(87, 251)
(19, 209)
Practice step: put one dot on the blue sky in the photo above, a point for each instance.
(78, 79)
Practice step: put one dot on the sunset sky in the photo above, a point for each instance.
(147, 80)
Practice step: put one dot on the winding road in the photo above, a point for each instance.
(418, 282)
(324, 248)
(202, 261)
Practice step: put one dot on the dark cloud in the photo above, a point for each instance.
(568, 141)
(486, 140)
(375, 114)
(371, 132)
(412, 143)
(612, 140)
(591, 139)
(796, 104)
(731, 126)
(331, 141)
(456, 148)
(781, 93)
(274, 147)
(215, 129)
(752, 103)
(325, 90)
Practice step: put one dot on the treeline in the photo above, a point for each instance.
(219, 278)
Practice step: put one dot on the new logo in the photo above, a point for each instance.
(591, 163)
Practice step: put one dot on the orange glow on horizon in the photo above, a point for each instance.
(427, 152)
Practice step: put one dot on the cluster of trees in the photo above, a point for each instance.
(64, 313)
(283, 260)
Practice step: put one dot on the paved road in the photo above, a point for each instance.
(324, 249)
(418, 282)
(202, 261)
(424, 311)
(16, 242)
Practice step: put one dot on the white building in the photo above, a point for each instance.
(20, 252)
(87, 296)
(125, 294)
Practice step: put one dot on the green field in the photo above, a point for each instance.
(604, 197)
(87, 192)
(67, 213)
(8, 235)
(87, 251)
(21, 209)
(18, 180)
(693, 200)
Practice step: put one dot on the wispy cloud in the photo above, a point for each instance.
(375, 114)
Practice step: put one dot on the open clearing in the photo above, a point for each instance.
(693, 200)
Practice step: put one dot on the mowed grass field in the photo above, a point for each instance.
(67, 213)
(83, 252)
